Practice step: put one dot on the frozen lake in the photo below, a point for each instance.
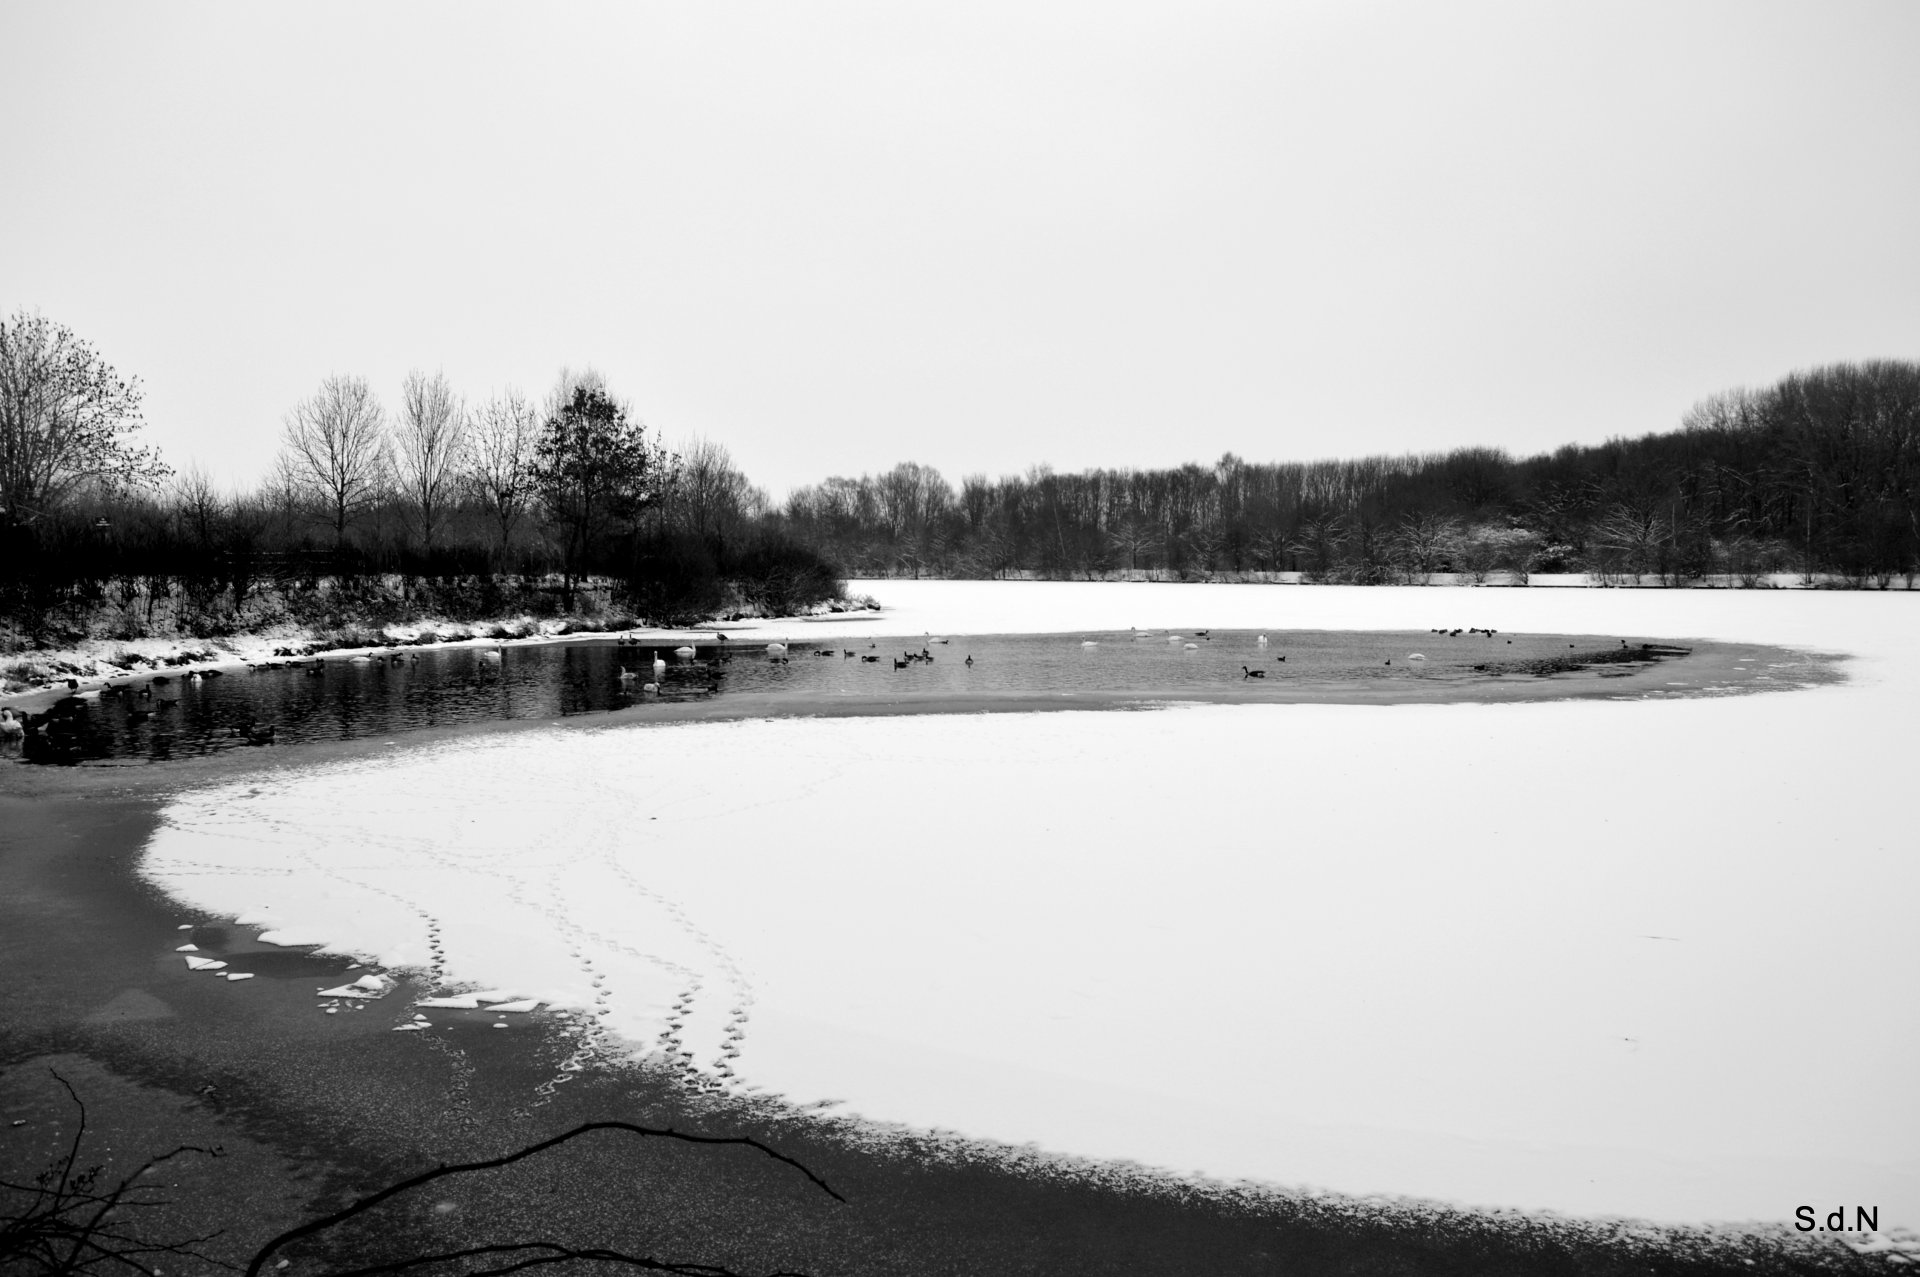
(1607, 957)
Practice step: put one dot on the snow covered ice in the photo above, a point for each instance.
(1650, 958)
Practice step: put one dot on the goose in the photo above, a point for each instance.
(1281, 657)
(871, 660)
(1247, 673)
(1205, 634)
(969, 662)
(846, 654)
(899, 665)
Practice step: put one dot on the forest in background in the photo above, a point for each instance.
(471, 511)
(1818, 474)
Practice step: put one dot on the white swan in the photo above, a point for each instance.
(684, 653)
(1088, 643)
(776, 649)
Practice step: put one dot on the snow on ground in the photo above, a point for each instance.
(1652, 958)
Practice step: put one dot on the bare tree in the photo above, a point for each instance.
(499, 469)
(199, 508)
(64, 420)
(1133, 538)
(1424, 541)
(429, 447)
(336, 448)
(710, 497)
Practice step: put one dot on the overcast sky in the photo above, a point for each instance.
(837, 236)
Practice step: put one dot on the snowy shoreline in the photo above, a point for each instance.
(1417, 861)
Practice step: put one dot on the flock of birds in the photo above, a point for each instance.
(56, 732)
(58, 728)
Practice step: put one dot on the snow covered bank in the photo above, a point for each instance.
(1647, 958)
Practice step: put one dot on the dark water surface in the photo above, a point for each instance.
(343, 698)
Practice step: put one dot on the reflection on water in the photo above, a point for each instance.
(341, 698)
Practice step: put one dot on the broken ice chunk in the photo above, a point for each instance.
(203, 964)
(187, 948)
(239, 975)
(525, 1004)
(367, 986)
(460, 1003)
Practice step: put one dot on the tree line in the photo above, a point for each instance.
(472, 508)
(475, 508)
(1818, 474)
